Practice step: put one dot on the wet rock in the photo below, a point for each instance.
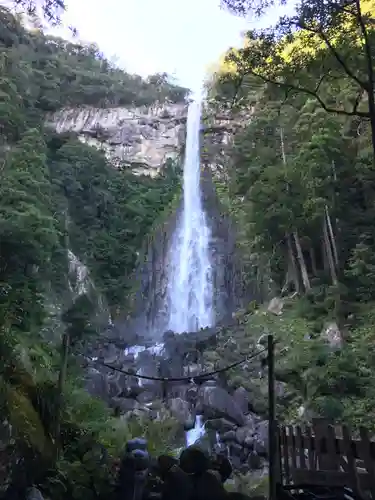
(244, 434)
(217, 402)
(221, 425)
(181, 410)
(145, 397)
(228, 436)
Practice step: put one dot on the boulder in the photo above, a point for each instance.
(216, 402)
(241, 397)
(245, 434)
(276, 306)
(261, 438)
(332, 335)
(181, 410)
(220, 425)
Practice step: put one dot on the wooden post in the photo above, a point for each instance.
(272, 452)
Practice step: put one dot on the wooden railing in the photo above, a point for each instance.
(326, 455)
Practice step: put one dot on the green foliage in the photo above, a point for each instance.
(40, 73)
(59, 196)
(110, 212)
(300, 172)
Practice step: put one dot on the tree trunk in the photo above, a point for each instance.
(332, 237)
(313, 261)
(293, 263)
(328, 251)
(302, 264)
(288, 237)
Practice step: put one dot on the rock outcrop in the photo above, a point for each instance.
(142, 138)
(218, 130)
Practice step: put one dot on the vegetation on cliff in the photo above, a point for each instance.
(301, 187)
(60, 196)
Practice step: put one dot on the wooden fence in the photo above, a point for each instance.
(326, 455)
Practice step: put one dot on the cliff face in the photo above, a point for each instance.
(142, 138)
(218, 130)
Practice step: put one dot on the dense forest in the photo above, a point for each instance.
(300, 183)
(58, 198)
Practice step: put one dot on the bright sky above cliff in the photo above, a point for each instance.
(181, 37)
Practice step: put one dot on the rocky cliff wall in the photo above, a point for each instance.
(142, 138)
(218, 131)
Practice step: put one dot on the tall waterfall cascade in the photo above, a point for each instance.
(190, 289)
(190, 283)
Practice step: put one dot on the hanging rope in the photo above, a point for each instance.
(182, 379)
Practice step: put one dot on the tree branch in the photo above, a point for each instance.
(335, 54)
(320, 82)
(313, 94)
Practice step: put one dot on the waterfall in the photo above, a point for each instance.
(190, 286)
(193, 435)
(190, 283)
(79, 278)
(190, 294)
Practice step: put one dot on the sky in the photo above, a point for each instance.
(181, 37)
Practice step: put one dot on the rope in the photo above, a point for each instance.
(182, 379)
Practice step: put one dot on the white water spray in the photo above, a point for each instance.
(190, 280)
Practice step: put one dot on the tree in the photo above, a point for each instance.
(28, 232)
(50, 9)
(326, 44)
